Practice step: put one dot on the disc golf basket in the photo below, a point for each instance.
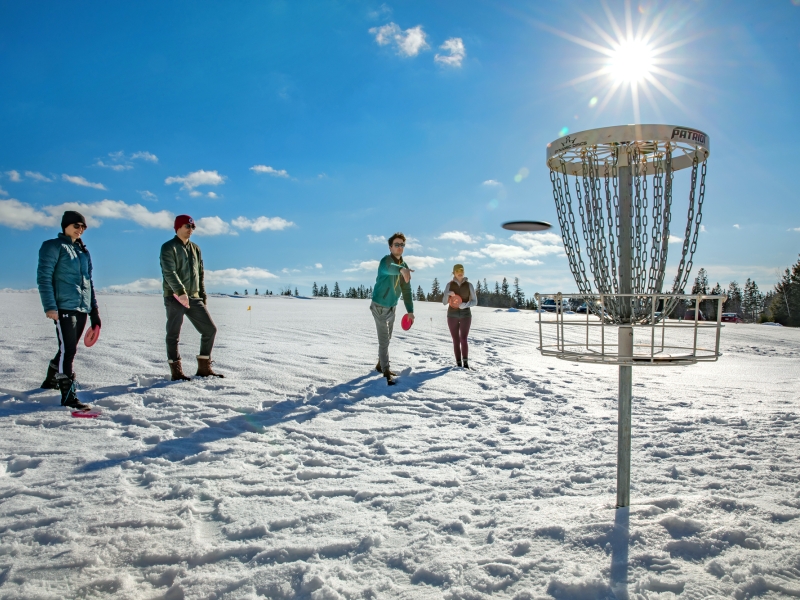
(613, 188)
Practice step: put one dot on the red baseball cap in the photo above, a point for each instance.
(182, 220)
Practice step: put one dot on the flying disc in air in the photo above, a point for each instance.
(92, 335)
(406, 322)
(454, 301)
(527, 225)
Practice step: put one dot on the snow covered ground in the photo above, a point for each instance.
(302, 475)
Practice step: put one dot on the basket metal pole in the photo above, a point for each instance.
(624, 340)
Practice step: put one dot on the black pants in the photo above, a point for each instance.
(69, 328)
(197, 314)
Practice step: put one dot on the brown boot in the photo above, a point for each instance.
(204, 367)
(379, 370)
(177, 371)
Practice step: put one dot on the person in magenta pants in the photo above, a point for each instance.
(459, 315)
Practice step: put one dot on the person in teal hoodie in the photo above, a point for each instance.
(394, 279)
(64, 278)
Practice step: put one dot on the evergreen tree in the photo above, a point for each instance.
(420, 294)
(235, 293)
(245, 292)
(734, 302)
(314, 290)
(337, 293)
(752, 301)
(324, 293)
(700, 286)
(784, 305)
(256, 292)
(519, 296)
(436, 291)
(710, 306)
(369, 292)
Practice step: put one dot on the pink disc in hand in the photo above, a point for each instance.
(406, 322)
(92, 335)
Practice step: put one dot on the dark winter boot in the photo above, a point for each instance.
(466, 364)
(389, 377)
(204, 367)
(176, 370)
(379, 370)
(68, 397)
(458, 363)
(50, 382)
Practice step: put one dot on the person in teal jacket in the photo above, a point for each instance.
(64, 278)
(394, 279)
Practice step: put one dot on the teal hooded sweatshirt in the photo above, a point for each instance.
(390, 284)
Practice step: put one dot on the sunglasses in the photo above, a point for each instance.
(80, 226)
(396, 245)
(190, 225)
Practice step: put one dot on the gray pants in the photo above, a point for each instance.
(384, 323)
(198, 316)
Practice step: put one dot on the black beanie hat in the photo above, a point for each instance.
(70, 218)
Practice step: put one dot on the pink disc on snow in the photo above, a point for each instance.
(85, 414)
(92, 335)
(406, 322)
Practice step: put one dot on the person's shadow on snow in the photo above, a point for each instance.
(298, 410)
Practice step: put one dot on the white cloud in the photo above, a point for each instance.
(195, 193)
(504, 253)
(147, 195)
(457, 52)
(36, 176)
(377, 239)
(674, 239)
(411, 242)
(262, 223)
(736, 226)
(144, 156)
(246, 276)
(318, 265)
(18, 215)
(212, 195)
(458, 236)
(213, 226)
(539, 244)
(421, 262)
(14, 176)
(795, 229)
(197, 178)
(269, 171)
(367, 265)
(408, 43)
(116, 209)
(140, 285)
(3, 192)
(702, 228)
(114, 167)
(78, 180)
(492, 183)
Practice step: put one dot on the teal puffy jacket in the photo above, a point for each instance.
(64, 276)
(390, 285)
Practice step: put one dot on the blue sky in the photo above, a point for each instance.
(297, 133)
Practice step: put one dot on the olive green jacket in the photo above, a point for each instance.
(182, 269)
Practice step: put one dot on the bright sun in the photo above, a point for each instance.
(631, 62)
(633, 57)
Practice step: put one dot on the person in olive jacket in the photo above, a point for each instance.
(185, 294)
(64, 278)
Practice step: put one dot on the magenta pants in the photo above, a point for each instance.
(459, 329)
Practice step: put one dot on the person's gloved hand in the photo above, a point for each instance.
(94, 318)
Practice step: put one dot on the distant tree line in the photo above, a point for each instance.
(358, 293)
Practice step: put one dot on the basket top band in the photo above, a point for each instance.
(652, 142)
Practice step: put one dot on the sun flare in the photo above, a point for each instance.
(631, 62)
(634, 58)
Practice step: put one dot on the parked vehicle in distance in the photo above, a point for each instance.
(582, 308)
(689, 315)
(731, 318)
(550, 305)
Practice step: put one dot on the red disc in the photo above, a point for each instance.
(406, 322)
(92, 335)
(454, 301)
